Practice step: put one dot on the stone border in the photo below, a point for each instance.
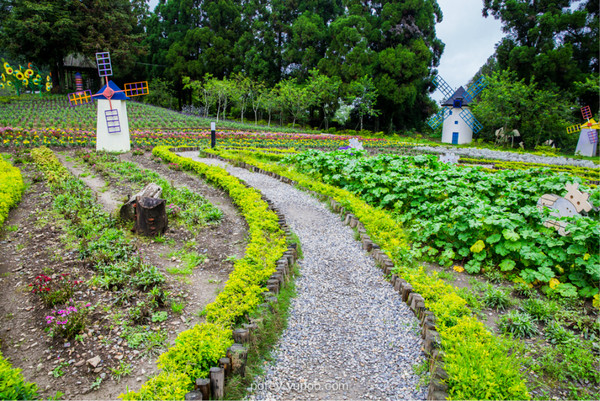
(438, 389)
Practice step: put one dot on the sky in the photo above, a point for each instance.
(469, 39)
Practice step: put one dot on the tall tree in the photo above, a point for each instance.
(46, 31)
(553, 41)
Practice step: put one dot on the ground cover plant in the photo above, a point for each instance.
(486, 221)
(566, 317)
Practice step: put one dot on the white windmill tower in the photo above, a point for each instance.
(459, 123)
(112, 124)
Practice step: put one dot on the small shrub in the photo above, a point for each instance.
(13, 385)
(147, 277)
(557, 334)
(496, 298)
(522, 289)
(539, 309)
(69, 321)
(54, 291)
(520, 324)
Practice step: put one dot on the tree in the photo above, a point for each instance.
(364, 97)
(296, 99)
(258, 94)
(326, 91)
(547, 40)
(241, 87)
(45, 32)
(512, 103)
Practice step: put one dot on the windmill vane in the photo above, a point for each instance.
(104, 64)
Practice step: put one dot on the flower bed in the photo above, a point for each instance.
(198, 349)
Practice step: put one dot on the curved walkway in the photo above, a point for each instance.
(349, 336)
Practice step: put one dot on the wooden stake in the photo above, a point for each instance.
(225, 364)
(217, 382)
(203, 386)
(241, 336)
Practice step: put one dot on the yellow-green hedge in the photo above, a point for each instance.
(495, 374)
(198, 349)
(11, 188)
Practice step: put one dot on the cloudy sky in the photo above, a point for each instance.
(469, 39)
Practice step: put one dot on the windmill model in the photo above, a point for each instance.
(459, 123)
(112, 124)
(588, 134)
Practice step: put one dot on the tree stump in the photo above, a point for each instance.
(151, 216)
(151, 190)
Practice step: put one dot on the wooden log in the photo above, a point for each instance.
(273, 286)
(225, 364)
(203, 386)
(251, 327)
(127, 211)
(241, 336)
(194, 395)
(217, 383)
(238, 355)
(406, 290)
(151, 216)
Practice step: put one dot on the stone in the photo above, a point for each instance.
(94, 362)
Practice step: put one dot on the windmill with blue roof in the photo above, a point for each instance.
(459, 124)
(112, 124)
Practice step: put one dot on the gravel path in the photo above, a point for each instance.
(349, 336)
(509, 156)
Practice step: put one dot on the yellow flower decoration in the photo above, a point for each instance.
(25, 81)
(48, 78)
(19, 75)
(48, 87)
(3, 78)
(29, 73)
(38, 76)
(1, 85)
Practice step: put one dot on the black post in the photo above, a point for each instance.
(213, 135)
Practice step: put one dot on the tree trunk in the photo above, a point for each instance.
(151, 190)
(151, 216)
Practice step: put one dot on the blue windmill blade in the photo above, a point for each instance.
(475, 89)
(435, 120)
(470, 120)
(443, 87)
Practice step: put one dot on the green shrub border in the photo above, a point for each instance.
(11, 188)
(198, 349)
(479, 365)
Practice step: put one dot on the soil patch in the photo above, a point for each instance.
(32, 243)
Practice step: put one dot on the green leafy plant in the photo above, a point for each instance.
(496, 298)
(518, 323)
(57, 371)
(555, 333)
(158, 317)
(542, 310)
(123, 370)
(12, 383)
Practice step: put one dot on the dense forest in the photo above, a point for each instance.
(349, 63)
